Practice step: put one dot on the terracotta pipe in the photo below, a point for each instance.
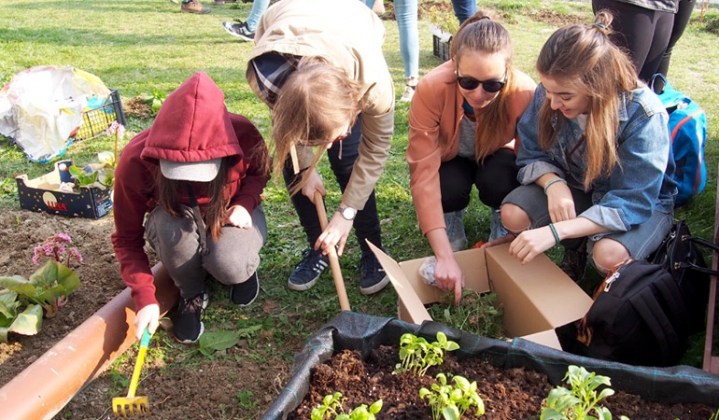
(47, 385)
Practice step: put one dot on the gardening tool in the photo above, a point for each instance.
(332, 255)
(131, 405)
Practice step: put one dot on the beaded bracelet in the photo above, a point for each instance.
(554, 232)
(554, 181)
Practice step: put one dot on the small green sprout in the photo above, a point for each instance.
(578, 402)
(417, 354)
(452, 401)
(331, 408)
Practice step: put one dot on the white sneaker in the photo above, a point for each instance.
(407, 94)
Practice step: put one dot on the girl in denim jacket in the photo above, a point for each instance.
(595, 157)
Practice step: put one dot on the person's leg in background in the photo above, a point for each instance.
(464, 9)
(405, 12)
(642, 32)
(246, 30)
(681, 19)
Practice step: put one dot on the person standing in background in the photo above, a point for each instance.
(684, 13)
(642, 28)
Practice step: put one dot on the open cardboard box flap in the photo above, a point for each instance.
(537, 297)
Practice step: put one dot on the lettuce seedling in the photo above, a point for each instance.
(331, 408)
(417, 354)
(452, 401)
(581, 400)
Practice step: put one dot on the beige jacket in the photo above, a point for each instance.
(349, 35)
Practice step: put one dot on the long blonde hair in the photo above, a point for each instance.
(585, 57)
(483, 33)
(316, 97)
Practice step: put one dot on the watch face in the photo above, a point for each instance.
(348, 213)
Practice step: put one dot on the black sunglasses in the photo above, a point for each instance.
(490, 86)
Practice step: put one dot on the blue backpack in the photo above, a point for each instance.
(688, 129)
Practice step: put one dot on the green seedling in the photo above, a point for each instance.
(331, 408)
(452, 401)
(581, 400)
(417, 354)
(477, 313)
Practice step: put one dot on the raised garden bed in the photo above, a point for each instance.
(355, 354)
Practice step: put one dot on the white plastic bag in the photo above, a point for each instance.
(42, 106)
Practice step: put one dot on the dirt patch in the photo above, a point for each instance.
(230, 384)
(559, 19)
(507, 394)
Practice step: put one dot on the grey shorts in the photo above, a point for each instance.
(641, 240)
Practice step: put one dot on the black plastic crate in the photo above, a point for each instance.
(96, 121)
(441, 49)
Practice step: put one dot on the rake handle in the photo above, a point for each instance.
(144, 342)
(332, 255)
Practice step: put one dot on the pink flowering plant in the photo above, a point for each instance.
(23, 302)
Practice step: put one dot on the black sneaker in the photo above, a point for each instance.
(574, 264)
(239, 30)
(372, 275)
(243, 294)
(308, 270)
(186, 322)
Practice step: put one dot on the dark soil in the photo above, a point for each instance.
(182, 388)
(507, 394)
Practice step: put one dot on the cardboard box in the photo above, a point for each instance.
(43, 194)
(537, 297)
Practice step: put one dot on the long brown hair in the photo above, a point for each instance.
(483, 33)
(316, 97)
(168, 192)
(585, 57)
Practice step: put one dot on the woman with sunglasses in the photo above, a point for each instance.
(596, 162)
(319, 66)
(463, 121)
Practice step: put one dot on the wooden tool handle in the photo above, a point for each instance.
(332, 254)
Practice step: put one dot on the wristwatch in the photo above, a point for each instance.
(347, 212)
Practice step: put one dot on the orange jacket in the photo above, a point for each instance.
(434, 120)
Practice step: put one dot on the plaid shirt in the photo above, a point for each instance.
(272, 70)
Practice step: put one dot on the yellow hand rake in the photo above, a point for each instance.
(131, 405)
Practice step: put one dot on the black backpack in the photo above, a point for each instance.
(644, 312)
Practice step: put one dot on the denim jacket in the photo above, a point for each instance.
(640, 183)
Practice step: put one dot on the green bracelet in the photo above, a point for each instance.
(554, 232)
(554, 181)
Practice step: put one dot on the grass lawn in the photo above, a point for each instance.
(142, 46)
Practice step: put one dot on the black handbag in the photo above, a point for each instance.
(644, 311)
(680, 254)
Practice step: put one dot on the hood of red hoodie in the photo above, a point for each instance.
(193, 124)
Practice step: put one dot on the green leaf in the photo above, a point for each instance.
(218, 340)
(29, 321)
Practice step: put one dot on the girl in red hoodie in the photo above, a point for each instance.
(191, 185)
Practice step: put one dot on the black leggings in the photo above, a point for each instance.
(643, 33)
(684, 13)
(494, 178)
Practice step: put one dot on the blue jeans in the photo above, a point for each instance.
(464, 9)
(405, 12)
(366, 223)
(258, 8)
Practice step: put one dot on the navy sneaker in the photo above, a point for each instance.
(243, 294)
(308, 270)
(186, 323)
(240, 30)
(372, 275)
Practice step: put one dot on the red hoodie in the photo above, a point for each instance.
(193, 125)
